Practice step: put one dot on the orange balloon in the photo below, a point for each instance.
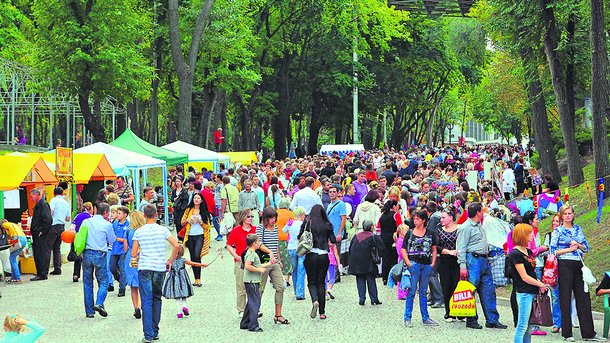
(68, 236)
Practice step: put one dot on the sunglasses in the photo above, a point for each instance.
(250, 216)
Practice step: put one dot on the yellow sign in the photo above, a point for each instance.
(64, 162)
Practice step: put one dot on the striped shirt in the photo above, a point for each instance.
(151, 238)
(268, 237)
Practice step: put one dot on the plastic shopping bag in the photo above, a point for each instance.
(549, 274)
(462, 302)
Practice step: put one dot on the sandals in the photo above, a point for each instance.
(15, 281)
(322, 316)
(276, 320)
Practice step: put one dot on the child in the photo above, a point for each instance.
(15, 325)
(399, 238)
(177, 283)
(333, 257)
(114, 217)
(119, 248)
(253, 270)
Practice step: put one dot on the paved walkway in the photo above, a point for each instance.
(58, 305)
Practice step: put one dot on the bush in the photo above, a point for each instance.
(535, 160)
(561, 153)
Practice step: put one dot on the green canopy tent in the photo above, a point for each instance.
(129, 141)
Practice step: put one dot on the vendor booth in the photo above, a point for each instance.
(129, 163)
(245, 158)
(199, 157)
(129, 141)
(342, 149)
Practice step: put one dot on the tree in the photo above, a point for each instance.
(551, 41)
(599, 95)
(185, 67)
(88, 49)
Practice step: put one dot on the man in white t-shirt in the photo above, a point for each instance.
(150, 241)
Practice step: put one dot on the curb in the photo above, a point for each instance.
(506, 302)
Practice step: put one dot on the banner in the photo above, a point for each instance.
(600, 204)
(64, 162)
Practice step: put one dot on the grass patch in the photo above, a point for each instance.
(585, 209)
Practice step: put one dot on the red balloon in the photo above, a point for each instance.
(68, 236)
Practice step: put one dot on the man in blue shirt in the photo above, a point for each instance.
(60, 211)
(99, 236)
(119, 248)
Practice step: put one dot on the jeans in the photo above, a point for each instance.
(523, 332)
(316, 267)
(362, 281)
(479, 274)
(108, 271)
(420, 276)
(195, 244)
(94, 261)
(151, 287)
(15, 272)
(117, 267)
(555, 307)
(216, 225)
(298, 274)
(436, 292)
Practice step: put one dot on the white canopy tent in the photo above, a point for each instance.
(198, 154)
(125, 162)
(342, 149)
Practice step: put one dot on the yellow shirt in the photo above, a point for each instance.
(13, 229)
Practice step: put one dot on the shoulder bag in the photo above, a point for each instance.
(541, 310)
(306, 240)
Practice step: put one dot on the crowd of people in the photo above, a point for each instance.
(307, 222)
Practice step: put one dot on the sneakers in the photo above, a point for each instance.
(179, 315)
(240, 314)
(595, 338)
(437, 305)
(111, 288)
(408, 324)
(185, 311)
(430, 322)
(121, 293)
(497, 325)
(569, 339)
(450, 320)
(137, 313)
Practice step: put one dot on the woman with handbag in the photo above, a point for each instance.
(419, 253)
(17, 241)
(525, 281)
(568, 243)
(316, 261)
(196, 223)
(364, 251)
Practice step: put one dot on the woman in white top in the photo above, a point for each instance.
(508, 182)
(368, 209)
(293, 227)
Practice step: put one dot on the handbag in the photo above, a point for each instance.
(587, 275)
(375, 255)
(549, 274)
(306, 240)
(397, 271)
(541, 310)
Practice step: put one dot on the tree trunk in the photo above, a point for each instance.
(571, 68)
(210, 101)
(599, 72)
(316, 122)
(153, 129)
(185, 68)
(224, 125)
(283, 109)
(551, 42)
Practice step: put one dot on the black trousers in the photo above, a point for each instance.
(570, 280)
(316, 267)
(514, 306)
(449, 274)
(195, 244)
(436, 291)
(54, 244)
(77, 263)
(249, 319)
(389, 259)
(41, 255)
(362, 281)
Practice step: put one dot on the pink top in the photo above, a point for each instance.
(532, 245)
(331, 256)
(399, 242)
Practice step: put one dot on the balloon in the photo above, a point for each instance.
(68, 236)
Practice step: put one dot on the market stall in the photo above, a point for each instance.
(245, 158)
(342, 149)
(199, 157)
(129, 141)
(129, 163)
